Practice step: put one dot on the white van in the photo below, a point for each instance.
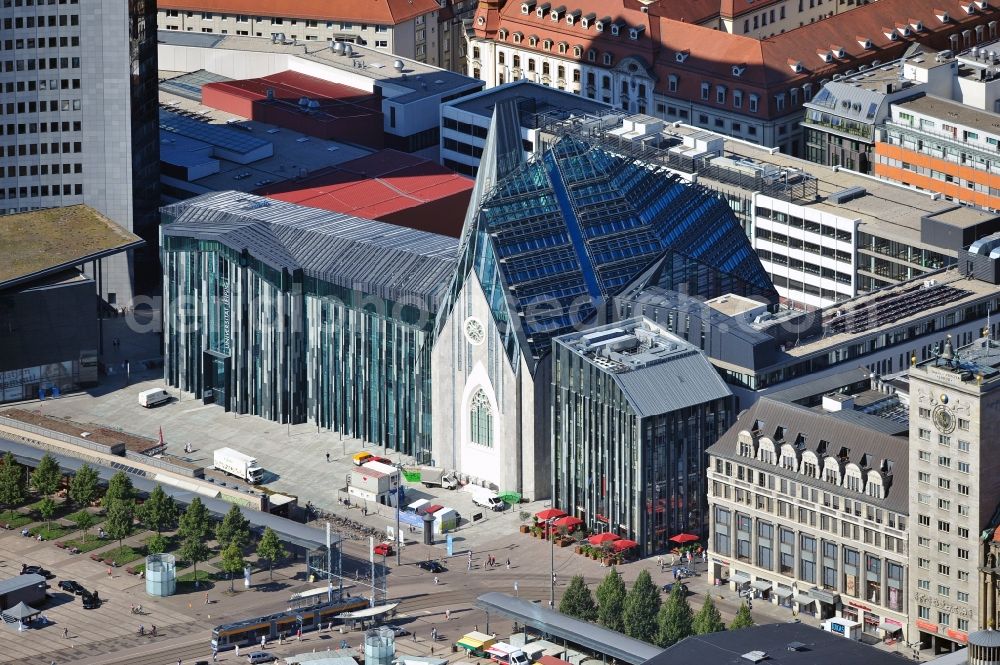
(153, 397)
(488, 499)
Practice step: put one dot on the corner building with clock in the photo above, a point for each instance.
(548, 242)
(954, 494)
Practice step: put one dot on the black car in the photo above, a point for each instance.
(73, 587)
(91, 601)
(432, 566)
(35, 570)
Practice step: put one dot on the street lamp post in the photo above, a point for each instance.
(552, 571)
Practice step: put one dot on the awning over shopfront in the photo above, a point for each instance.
(889, 627)
(739, 577)
(804, 599)
(761, 585)
(783, 593)
(824, 596)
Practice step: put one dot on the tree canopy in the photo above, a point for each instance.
(46, 476)
(234, 529)
(118, 521)
(611, 602)
(270, 548)
(194, 524)
(675, 618)
(232, 562)
(159, 511)
(641, 607)
(12, 485)
(83, 486)
(578, 602)
(120, 488)
(743, 618)
(708, 619)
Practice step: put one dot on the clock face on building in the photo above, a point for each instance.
(943, 419)
(474, 330)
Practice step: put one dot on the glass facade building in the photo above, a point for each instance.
(634, 409)
(301, 315)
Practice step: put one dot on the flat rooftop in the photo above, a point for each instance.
(296, 155)
(734, 305)
(976, 365)
(333, 100)
(415, 81)
(886, 210)
(950, 111)
(37, 243)
(531, 97)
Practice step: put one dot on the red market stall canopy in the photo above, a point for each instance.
(568, 521)
(550, 513)
(622, 545)
(602, 538)
(684, 538)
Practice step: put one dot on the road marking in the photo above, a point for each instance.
(198, 408)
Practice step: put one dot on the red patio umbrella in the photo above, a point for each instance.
(601, 538)
(684, 538)
(568, 521)
(550, 513)
(621, 545)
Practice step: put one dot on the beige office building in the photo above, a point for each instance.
(808, 509)
(955, 489)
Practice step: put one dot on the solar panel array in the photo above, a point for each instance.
(218, 135)
(892, 307)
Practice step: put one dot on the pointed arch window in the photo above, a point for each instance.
(481, 420)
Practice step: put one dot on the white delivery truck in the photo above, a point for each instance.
(485, 497)
(432, 476)
(237, 464)
(153, 397)
(505, 654)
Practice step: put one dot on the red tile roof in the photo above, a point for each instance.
(387, 185)
(383, 12)
(765, 66)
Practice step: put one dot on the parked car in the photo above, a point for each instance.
(667, 588)
(260, 657)
(432, 566)
(398, 631)
(73, 587)
(383, 549)
(35, 570)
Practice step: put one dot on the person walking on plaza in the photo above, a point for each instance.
(65, 633)
(447, 615)
(508, 563)
(263, 641)
(237, 650)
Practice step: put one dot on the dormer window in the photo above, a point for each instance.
(918, 26)
(557, 13)
(634, 32)
(838, 51)
(738, 70)
(518, 37)
(502, 34)
(533, 41)
(970, 7)
(588, 20)
(577, 51)
(481, 20)
(825, 56)
(864, 42)
(616, 28)
(542, 10)
(903, 29)
(942, 16)
(563, 47)
(526, 7)
(982, 4)
(572, 17)
(795, 66)
(603, 23)
(607, 59)
(591, 55)
(890, 34)
(547, 44)
(681, 56)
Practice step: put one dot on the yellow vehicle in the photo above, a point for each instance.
(476, 643)
(361, 458)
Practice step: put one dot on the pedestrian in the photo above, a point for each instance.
(298, 635)
(508, 563)
(436, 580)
(237, 650)
(263, 641)
(65, 633)
(328, 458)
(206, 598)
(447, 615)
(215, 656)
(178, 661)
(414, 634)
(470, 564)
(109, 571)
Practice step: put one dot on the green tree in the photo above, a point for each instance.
(270, 548)
(674, 620)
(743, 618)
(234, 529)
(156, 544)
(12, 490)
(708, 619)
(84, 521)
(641, 606)
(46, 476)
(119, 488)
(611, 602)
(194, 551)
(83, 486)
(194, 523)
(159, 511)
(578, 602)
(47, 508)
(119, 520)
(232, 562)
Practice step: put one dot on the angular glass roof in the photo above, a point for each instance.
(558, 238)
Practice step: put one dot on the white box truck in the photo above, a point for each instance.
(237, 464)
(153, 397)
(505, 654)
(432, 476)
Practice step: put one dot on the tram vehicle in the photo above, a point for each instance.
(249, 631)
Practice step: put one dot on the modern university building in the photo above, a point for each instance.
(300, 315)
